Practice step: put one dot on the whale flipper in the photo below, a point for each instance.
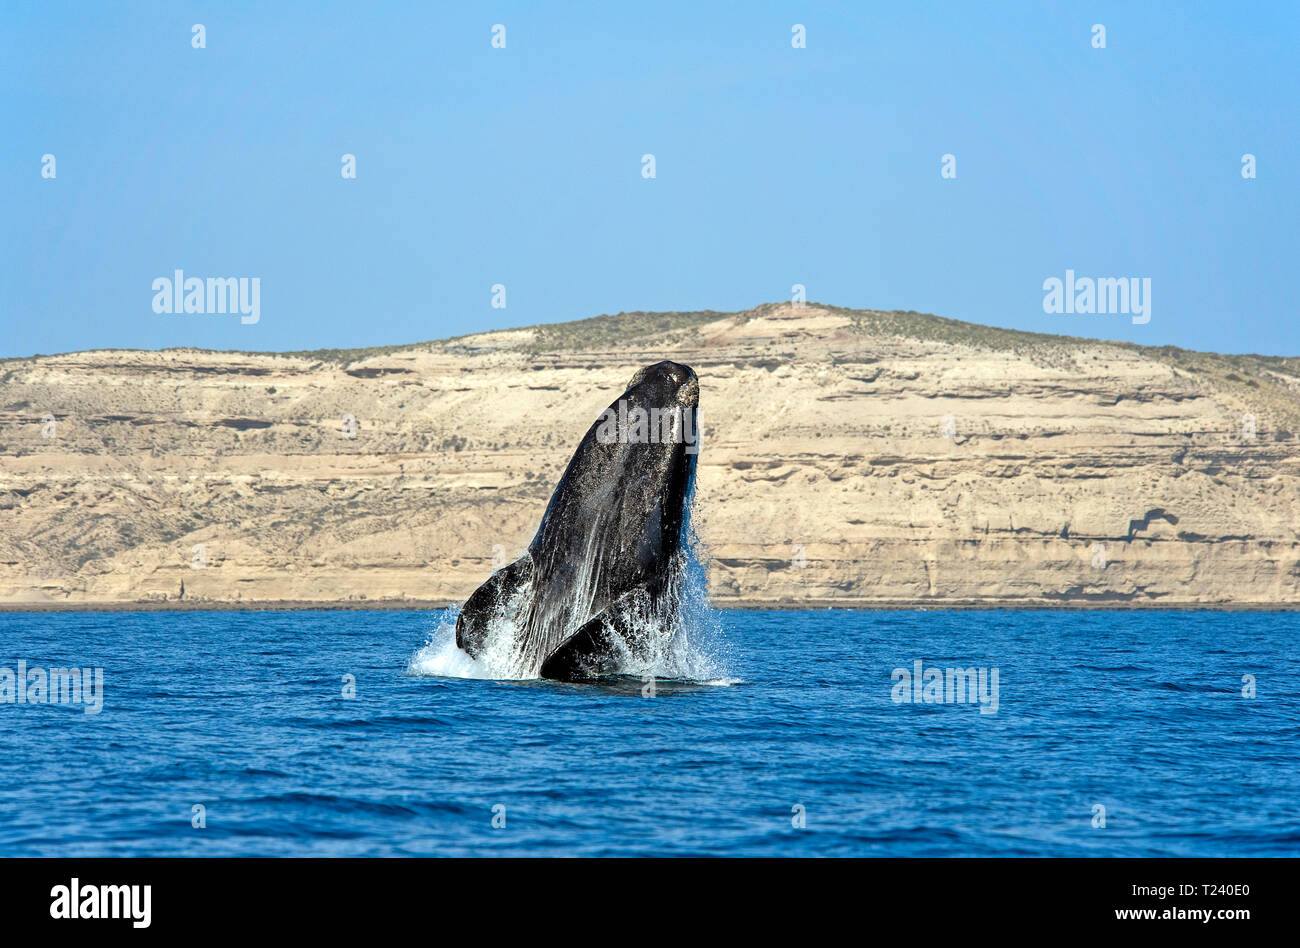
(502, 598)
(602, 644)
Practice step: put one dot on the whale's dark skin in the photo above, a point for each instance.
(600, 570)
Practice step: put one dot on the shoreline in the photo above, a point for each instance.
(435, 605)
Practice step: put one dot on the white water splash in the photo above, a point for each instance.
(692, 647)
(440, 657)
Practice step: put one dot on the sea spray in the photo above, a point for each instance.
(685, 644)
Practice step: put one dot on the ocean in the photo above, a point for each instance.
(354, 733)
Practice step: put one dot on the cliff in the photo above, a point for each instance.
(849, 458)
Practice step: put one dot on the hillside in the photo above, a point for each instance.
(829, 474)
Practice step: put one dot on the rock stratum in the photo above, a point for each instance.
(849, 458)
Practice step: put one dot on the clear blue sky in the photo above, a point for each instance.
(522, 166)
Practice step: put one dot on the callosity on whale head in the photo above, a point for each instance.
(601, 573)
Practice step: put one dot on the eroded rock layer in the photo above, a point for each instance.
(849, 458)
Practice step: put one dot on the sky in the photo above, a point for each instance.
(522, 166)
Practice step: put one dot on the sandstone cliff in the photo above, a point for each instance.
(849, 458)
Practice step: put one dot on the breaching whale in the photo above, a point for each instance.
(600, 579)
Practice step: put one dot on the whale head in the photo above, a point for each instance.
(626, 488)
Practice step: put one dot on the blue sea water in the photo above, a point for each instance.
(243, 714)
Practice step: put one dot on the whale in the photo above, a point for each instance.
(594, 592)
